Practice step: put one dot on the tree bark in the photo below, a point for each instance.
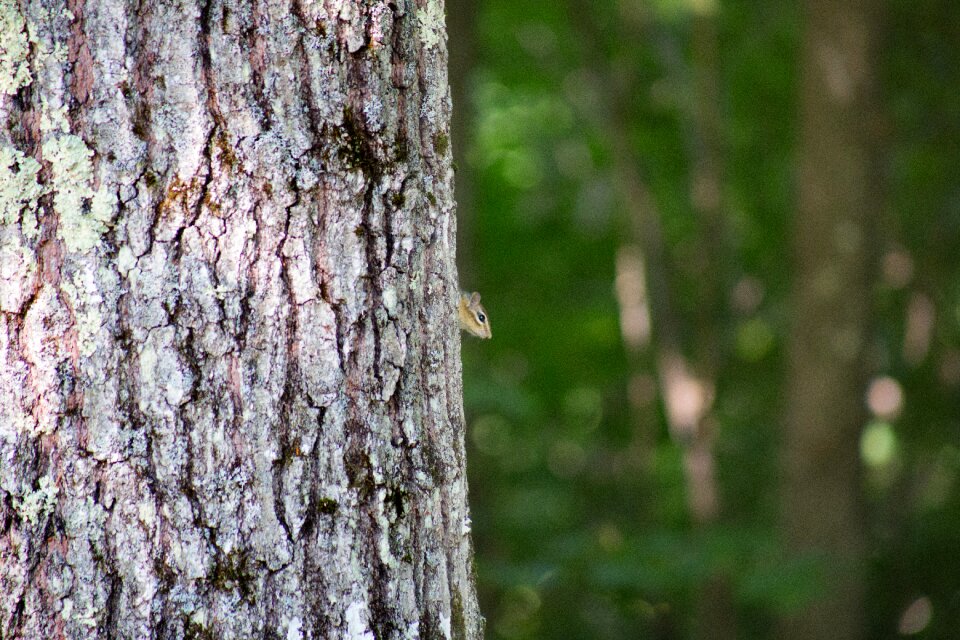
(230, 391)
(826, 377)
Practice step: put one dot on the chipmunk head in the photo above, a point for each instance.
(473, 317)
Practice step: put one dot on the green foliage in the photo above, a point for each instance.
(580, 507)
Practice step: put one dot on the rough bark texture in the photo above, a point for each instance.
(826, 379)
(230, 393)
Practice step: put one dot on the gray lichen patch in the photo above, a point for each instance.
(84, 212)
(18, 273)
(14, 68)
(432, 26)
(19, 190)
(34, 505)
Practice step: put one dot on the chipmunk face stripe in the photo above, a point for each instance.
(473, 317)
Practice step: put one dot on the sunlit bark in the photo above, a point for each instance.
(230, 397)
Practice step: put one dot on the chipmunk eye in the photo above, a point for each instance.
(482, 318)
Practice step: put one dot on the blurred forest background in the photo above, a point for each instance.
(719, 241)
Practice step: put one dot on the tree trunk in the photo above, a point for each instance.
(230, 393)
(826, 378)
(463, 16)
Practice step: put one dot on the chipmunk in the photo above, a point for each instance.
(473, 317)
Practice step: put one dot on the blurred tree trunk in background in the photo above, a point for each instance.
(826, 375)
(650, 319)
(716, 617)
(461, 22)
(230, 397)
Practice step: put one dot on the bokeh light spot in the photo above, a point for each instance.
(916, 617)
(878, 444)
(491, 434)
(755, 339)
(885, 398)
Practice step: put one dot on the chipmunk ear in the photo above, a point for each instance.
(474, 299)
